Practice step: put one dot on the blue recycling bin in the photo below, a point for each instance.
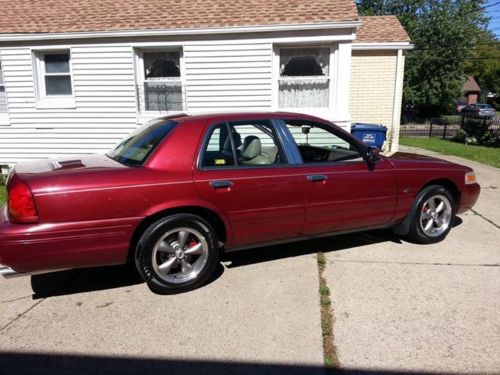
(370, 134)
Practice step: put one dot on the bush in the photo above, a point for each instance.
(477, 132)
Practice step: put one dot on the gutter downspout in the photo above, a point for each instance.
(397, 95)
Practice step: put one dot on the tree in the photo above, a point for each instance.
(443, 32)
(485, 64)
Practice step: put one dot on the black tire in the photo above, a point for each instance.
(417, 232)
(154, 251)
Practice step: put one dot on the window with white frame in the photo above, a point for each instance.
(161, 81)
(54, 81)
(3, 97)
(304, 77)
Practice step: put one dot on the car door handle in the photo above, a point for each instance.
(221, 184)
(316, 177)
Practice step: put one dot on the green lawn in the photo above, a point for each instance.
(485, 155)
(2, 195)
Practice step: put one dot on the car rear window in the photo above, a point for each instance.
(136, 148)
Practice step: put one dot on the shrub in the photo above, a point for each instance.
(477, 132)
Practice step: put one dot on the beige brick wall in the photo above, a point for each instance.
(373, 90)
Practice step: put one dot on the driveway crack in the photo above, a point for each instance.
(15, 299)
(419, 263)
(55, 289)
(485, 218)
(330, 357)
(21, 315)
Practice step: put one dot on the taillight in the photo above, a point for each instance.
(21, 204)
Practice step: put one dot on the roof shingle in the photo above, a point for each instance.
(62, 16)
(380, 29)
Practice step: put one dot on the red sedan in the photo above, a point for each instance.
(181, 189)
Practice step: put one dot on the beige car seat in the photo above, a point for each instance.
(251, 153)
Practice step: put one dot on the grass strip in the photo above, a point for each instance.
(329, 350)
(481, 154)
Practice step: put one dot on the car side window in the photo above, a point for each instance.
(318, 144)
(218, 150)
(256, 143)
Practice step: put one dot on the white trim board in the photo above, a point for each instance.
(191, 31)
(382, 46)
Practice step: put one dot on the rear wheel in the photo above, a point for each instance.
(432, 215)
(177, 253)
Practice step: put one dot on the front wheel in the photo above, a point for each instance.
(432, 215)
(177, 254)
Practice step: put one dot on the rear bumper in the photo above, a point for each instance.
(30, 248)
(469, 197)
(9, 273)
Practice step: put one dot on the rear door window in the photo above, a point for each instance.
(242, 144)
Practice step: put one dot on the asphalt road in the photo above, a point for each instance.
(397, 307)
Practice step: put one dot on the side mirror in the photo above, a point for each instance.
(372, 154)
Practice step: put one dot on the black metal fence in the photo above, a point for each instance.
(445, 127)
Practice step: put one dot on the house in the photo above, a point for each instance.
(77, 76)
(472, 91)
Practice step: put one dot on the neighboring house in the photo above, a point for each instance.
(78, 76)
(472, 91)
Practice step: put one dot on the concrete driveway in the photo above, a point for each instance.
(396, 306)
(406, 307)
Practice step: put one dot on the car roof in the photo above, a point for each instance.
(235, 116)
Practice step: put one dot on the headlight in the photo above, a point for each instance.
(470, 178)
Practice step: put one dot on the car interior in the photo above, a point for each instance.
(256, 144)
(317, 144)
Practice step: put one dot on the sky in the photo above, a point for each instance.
(494, 13)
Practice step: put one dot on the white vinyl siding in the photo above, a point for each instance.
(220, 75)
(105, 105)
(228, 77)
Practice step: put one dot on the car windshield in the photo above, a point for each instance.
(135, 148)
(484, 106)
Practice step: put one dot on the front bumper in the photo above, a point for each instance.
(469, 197)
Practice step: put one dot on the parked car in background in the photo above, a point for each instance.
(460, 106)
(479, 110)
(175, 193)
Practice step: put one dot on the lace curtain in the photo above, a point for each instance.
(310, 93)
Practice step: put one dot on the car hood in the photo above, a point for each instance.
(409, 160)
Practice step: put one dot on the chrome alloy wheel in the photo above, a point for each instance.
(180, 255)
(436, 214)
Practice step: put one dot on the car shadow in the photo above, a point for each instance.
(92, 279)
(84, 280)
(57, 363)
(294, 249)
(110, 277)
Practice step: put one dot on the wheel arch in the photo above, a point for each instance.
(220, 226)
(403, 228)
(448, 184)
